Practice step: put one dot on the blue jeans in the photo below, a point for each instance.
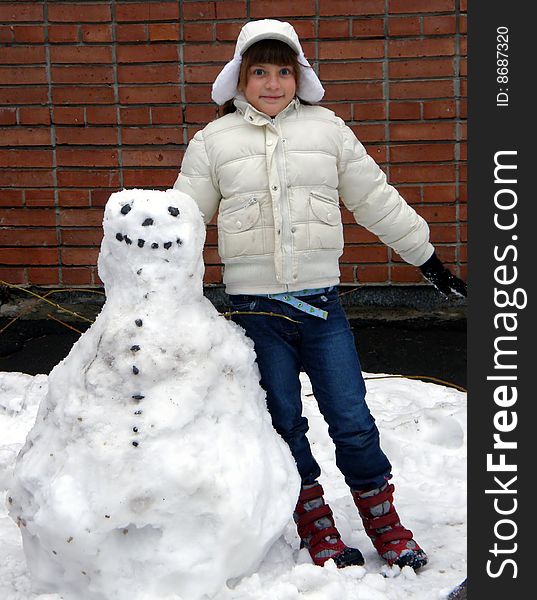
(325, 350)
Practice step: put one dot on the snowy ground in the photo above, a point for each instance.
(423, 431)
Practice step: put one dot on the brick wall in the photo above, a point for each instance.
(100, 95)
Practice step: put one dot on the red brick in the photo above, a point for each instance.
(422, 153)
(19, 11)
(82, 237)
(101, 115)
(405, 110)
(152, 158)
(79, 256)
(421, 6)
(147, 53)
(369, 133)
(34, 115)
(39, 197)
(200, 113)
(352, 91)
(354, 234)
(26, 178)
(82, 95)
(420, 174)
(201, 73)
(350, 71)
(77, 275)
(24, 136)
(351, 7)
(24, 95)
(405, 274)
(260, 9)
(148, 73)
(368, 28)
(63, 33)
(439, 193)
(208, 52)
(43, 275)
(11, 198)
(422, 131)
(28, 237)
(199, 11)
(164, 115)
(23, 76)
(14, 276)
(342, 109)
(422, 89)
(132, 33)
(437, 214)
(159, 32)
(153, 135)
(351, 49)
(28, 256)
(6, 34)
(340, 28)
(8, 116)
(443, 234)
(147, 11)
(73, 198)
(403, 26)
(139, 115)
(463, 24)
(19, 55)
(224, 32)
(371, 274)
(198, 94)
(154, 94)
(96, 33)
(30, 34)
(365, 254)
(26, 158)
(85, 75)
(370, 111)
(68, 115)
(79, 13)
(421, 68)
(422, 47)
(439, 109)
(81, 217)
(86, 135)
(85, 55)
(231, 9)
(88, 178)
(150, 178)
(439, 25)
(100, 197)
(33, 217)
(87, 158)
(213, 274)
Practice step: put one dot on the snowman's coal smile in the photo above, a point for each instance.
(141, 242)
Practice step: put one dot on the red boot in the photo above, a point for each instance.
(392, 541)
(317, 530)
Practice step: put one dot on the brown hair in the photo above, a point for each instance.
(273, 52)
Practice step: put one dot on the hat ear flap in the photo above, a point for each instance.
(225, 85)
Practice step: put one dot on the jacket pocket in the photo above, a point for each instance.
(325, 208)
(237, 231)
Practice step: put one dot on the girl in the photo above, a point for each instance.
(275, 167)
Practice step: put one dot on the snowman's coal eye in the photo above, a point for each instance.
(147, 222)
(174, 212)
(168, 245)
(125, 209)
(154, 245)
(119, 237)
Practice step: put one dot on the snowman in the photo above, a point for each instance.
(152, 470)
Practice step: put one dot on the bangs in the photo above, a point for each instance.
(272, 52)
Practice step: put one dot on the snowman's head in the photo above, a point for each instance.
(158, 232)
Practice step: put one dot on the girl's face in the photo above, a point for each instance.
(270, 87)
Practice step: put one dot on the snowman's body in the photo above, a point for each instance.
(152, 468)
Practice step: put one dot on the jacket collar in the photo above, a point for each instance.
(256, 117)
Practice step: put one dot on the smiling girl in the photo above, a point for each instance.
(275, 167)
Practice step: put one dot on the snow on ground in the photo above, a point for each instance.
(423, 432)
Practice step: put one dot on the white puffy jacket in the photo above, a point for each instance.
(276, 184)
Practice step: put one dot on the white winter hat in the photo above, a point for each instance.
(309, 89)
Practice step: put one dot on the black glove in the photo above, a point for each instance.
(442, 279)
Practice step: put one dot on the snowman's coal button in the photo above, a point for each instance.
(168, 245)
(128, 240)
(119, 237)
(174, 212)
(141, 243)
(154, 245)
(135, 348)
(125, 209)
(139, 322)
(135, 370)
(135, 443)
(148, 221)
(137, 397)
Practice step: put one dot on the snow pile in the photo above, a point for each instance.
(423, 428)
(152, 470)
